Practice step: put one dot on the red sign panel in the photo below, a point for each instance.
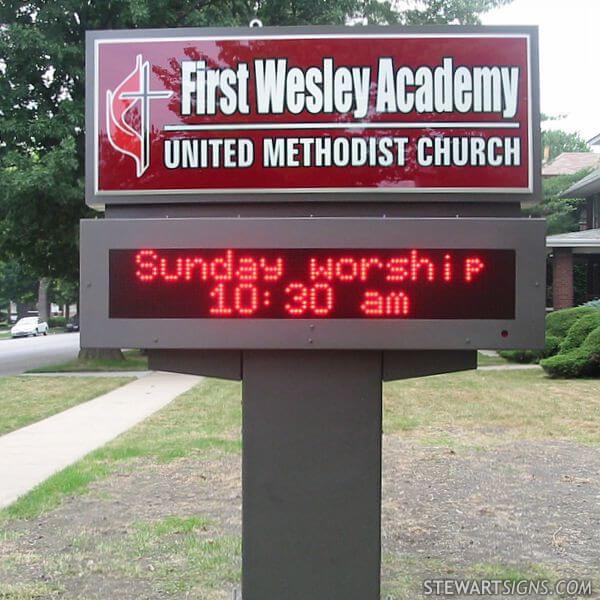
(312, 283)
(392, 112)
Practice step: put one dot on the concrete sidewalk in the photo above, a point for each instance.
(508, 367)
(30, 455)
(136, 374)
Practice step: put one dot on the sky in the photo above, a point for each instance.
(569, 57)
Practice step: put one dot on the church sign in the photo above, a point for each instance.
(312, 210)
(182, 114)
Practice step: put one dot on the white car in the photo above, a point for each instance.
(29, 326)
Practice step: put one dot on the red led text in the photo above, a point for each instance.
(315, 283)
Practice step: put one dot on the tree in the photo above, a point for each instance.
(440, 12)
(562, 214)
(42, 97)
(380, 12)
(16, 285)
(64, 292)
(556, 141)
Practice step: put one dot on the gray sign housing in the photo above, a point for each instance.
(525, 236)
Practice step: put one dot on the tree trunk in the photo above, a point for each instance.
(23, 309)
(101, 353)
(66, 311)
(43, 304)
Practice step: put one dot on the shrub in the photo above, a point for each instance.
(558, 326)
(559, 322)
(579, 331)
(578, 362)
(521, 356)
(57, 322)
(592, 346)
(552, 345)
(532, 356)
(565, 365)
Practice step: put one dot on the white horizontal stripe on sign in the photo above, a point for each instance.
(370, 125)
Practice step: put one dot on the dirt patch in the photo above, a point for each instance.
(526, 503)
(147, 491)
(516, 504)
(74, 549)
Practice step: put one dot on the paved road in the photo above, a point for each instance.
(21, 354)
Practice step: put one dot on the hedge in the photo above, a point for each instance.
(558, 325)
(582, 361)
(559, 322)
(579, 331)
(523, 356)
(57, 322)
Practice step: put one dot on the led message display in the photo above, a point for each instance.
(291, 283)
(348, 111)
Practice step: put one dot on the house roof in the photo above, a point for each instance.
(588, 186)
(595, 140)
(569, 163)
(589, 238)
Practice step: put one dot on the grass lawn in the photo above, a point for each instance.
(473, 408)
(186, 551)
(134, 361)
(4, 335)
(487, 361)
(487, 407)
(24, 400)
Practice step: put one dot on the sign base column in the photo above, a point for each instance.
(311, 475)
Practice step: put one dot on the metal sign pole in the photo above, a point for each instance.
(311, 475)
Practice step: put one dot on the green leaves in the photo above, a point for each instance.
(16, 284)
(557, 141)
(438, 12)
(41, 202)
(562, 214)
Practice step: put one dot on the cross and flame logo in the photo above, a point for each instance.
(129, 130)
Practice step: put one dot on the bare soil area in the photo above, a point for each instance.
(530, 508)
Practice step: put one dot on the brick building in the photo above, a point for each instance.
(579, 247)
